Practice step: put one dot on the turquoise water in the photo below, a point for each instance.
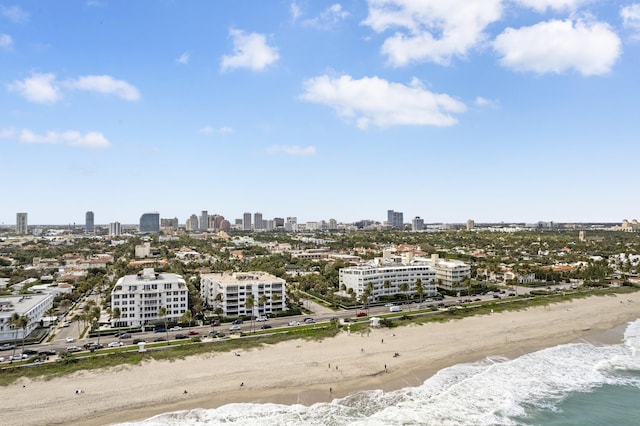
(572, 384)
(605, 405)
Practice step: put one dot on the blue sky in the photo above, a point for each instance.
(495, 110)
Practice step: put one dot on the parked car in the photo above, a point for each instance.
(181, 336)
(74, 349)
(309, 320)
(160, 330)
(360, 314)
(125, 335)
(115, 344)
(193, 333)
(29, 352)
(235, 327)
(236, 322)
(7, 346)
(294, 323)
(1, 359)
(18, 357)
(262, 319)
(266, 326)
(66, 323)
(47, 352)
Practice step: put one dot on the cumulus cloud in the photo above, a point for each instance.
(39, 88)
(105, 84)
(631, 18)
(556, 5)
(431, 30)
(375, 101)
(556, 46)
(292, 150)
(328, 18)
(184, 58)
(70, 137)
(295, 11)
(6, 42)
(249, 51)
(14, 14)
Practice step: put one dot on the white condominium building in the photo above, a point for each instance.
(230, 291)
(387, 278)
(33, 306)
(140, 297)
(449, 272)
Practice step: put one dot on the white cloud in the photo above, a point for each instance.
(328, 17)
(375, 101)
(39, 88)
(559, 46)
(208, 130)
(184, 58)
(250, 51)
(6, 42)
(292, 150)
(631, 18)
(480, 101)
(556, 5)
(70, 137)
(295, 11)
(14, 14)
(105, 84)
(431, 30)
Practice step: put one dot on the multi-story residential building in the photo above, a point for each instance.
(386, 278)
(140, 297)
(21, 223)
(230, 291)
(470, 225)
(417, 224)
(257, 221)
(449, 272)
(168, 223)
(115, 229)
(291, 225)
(192, 223)
(150, 223)
(34, 306)
(395, 219)
(333, 224)
(89, 223)
(204, 220)
(246, 221)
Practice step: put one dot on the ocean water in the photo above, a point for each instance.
(572, 384)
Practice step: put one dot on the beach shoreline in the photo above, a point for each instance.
(307, 372)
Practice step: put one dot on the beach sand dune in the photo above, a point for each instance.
(306, 372)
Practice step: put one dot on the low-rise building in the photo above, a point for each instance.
(34, 306)
(140, 297)
(230, 291)
(386, 278)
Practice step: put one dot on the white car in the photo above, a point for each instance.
(294, 322)
(261, 319)
(235, 328)
(176, 328)
(115, 344)
(1, 359)
(70, 339)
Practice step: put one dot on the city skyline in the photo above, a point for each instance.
(514, 111)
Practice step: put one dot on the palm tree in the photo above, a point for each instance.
(13, 321)
(116, 314)
(249, 304)
(95, 315)
(404, 288)
(162, 313)
(187, 317)
(262, 300)
(387, 286)
(419, 289)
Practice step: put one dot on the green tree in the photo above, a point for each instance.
(419, 289)
(249, 304)
(187, 317)
(162, 314)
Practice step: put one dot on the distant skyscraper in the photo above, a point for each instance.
(395, 219)
(21, 223)
(169, 223)
(246, 222)
(115, 228)
(150, 223)
(204, 220)
(470, 224)
(88, 222)
(257, 221)
(417, 224)
(192, 223)
(333, 224)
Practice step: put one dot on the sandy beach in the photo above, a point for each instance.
(303, 371)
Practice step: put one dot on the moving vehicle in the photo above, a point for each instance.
(309, 320)
(181, 336)
(361, 314)
(236, 322)
(261, 319)
(395, 309)
(193, 333)
(115, 344)
(69, 340)
(266, 326)
(74, 349)
(292, 323)
(176, 328)
(235, 327)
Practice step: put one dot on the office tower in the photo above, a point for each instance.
(115, 229)
(204, 220)
(395, 219)
(225, 226)
(169, 223)
(246, 221)
(291, 225)
(278, 222)
(217, 221)
(417, 224)
(470, 225)
(150, 223)
(333, 224)
(21, 223)
(257, 221)
(88, 223)
(192, 223)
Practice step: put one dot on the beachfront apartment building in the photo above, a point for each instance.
(387, 278)
(140, 297)
(449, 272)
(230, 291)
(34, 306)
